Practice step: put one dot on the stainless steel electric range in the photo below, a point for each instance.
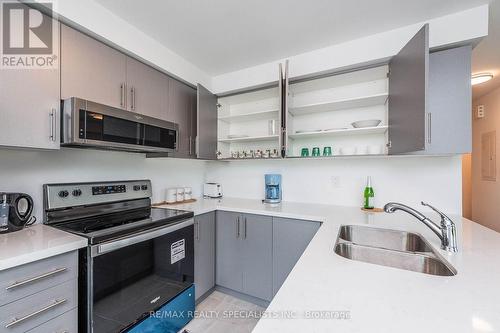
(139, 259)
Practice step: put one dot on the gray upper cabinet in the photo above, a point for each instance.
(290, 239)
(448, 125)
(229, 259)
(257, 249)
(91, 70)
(204, 253)
(181, 111)
(408, 78)
(29, 105)
(147, 90)
(206, 120)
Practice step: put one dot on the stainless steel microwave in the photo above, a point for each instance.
(93, 125)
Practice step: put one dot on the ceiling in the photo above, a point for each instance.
(486, 56)
(221, 36)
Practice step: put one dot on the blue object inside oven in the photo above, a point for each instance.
(171, 317)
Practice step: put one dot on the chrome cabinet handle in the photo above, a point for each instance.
(37, 312)
(122, 95)
(429, 127)
(132, 98)
(197, 230)
(245, 228)
(36, 278)
(238, 227)
(52, 116)
(190, 146)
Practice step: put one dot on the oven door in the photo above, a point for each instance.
(136, 275)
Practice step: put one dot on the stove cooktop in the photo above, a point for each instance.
(103, 228)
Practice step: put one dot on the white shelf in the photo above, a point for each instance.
(268, 114)
(341, 132)
(251, 139)
(350, 103)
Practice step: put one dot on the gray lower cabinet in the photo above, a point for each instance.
(244, 253)
(41, 296)
(290, 239)
(228, 253)
(29, 104)
(204, 253)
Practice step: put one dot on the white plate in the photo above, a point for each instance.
(366, 123)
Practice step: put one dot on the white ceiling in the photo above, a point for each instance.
(221, 36)
(486, 56)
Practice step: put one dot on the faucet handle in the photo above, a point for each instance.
(444, 219)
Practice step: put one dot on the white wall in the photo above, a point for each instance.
(450, 29)
(27, 171)
(409, 180)
(486, 193)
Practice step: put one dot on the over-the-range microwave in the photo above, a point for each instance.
(93, 125)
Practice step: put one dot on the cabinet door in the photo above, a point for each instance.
(29, 104)
(290, 239)
(206, 111)
(147, 90)
(408, 79)
(229, 260)
(91, 70)
(449, 119)
(179, 111)
(257, 258)
(204, 253)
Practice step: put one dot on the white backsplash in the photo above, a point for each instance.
(26, 171)
(403, 179)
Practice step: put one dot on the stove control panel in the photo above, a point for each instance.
(80, 194)
(109, 189)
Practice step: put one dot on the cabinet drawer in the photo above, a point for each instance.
(65, 323)
(32, 311)
(28, 279)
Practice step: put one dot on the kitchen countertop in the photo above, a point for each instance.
(377, 298)
(34, 243)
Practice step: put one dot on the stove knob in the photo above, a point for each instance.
(77, 192)
(63, 194)
(137, 187)
(144, 187)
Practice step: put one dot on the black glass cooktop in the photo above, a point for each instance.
(109, 226)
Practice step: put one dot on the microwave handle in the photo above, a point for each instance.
(138, 238)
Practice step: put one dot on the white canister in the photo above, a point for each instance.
(171, 196)
(180, 194)
(188, 193)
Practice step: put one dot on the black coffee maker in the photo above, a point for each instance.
(20, 206)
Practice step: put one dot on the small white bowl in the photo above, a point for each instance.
(366, 123)
(348, 151)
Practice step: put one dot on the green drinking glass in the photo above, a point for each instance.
(327, 151)
(315, 152)
(304, 152)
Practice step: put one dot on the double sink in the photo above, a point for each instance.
(392, 248)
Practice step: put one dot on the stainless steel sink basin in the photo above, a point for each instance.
(391, 248)
(384, 238)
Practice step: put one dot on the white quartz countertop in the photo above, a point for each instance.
(377, 298)
(34, 243)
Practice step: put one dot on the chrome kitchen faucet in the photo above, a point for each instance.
(446, 231)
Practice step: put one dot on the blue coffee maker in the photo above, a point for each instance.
(273, 188)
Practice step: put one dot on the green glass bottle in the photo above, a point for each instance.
(369, 194)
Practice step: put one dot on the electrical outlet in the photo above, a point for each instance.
(335, 181)
(480, 111)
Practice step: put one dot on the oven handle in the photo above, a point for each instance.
(147, 235)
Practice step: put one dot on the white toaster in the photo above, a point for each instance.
(212, 190)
